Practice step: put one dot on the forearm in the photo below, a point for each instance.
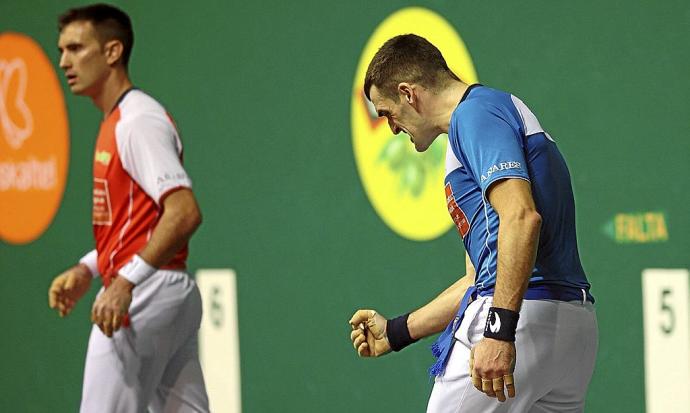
(179, 220)
(172, 232)
(518, 238)
(435, 316)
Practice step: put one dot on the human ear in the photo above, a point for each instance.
(113, 51)
(406, 91)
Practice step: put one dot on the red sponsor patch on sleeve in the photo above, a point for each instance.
(457, 214)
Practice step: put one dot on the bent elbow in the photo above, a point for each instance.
(186, 220)
(525, 218)
(192, 219)
(535, 220)
(197, 219)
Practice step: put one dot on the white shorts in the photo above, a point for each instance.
(152, 364)
(556, 345)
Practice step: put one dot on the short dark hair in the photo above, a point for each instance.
(406, 58)
(109, 21)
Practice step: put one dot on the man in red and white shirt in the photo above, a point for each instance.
(143, 350)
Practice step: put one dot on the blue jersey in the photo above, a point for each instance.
(493, 136)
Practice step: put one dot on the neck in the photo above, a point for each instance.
(114, 85)
(446, 103)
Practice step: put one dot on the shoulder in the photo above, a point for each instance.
(138, 106)
(485, 106)
(484, 101)
(139, 110)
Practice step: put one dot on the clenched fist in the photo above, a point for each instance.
(369, 333)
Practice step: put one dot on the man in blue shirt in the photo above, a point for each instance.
(523, 315)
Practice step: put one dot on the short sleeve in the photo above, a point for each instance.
(492, 148)
(150, 151)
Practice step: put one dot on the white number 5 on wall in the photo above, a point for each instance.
(666, 342)
(219, 343)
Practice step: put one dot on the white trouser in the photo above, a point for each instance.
(556, 345)
(154, 362)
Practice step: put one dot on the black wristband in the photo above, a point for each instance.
(501, 324)
(398, 334)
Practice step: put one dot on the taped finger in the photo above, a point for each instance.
(498, 388)
(477, 382)
(510, 384)
(487, 387)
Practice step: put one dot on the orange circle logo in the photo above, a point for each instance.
(34, 140)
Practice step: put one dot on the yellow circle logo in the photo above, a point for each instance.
(405, 187)
(34, 140)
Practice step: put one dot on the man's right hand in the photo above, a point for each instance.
(68, 287)
(369, 334)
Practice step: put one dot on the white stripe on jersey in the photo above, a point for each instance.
(529, 121)
(124, 227)
(452, 162)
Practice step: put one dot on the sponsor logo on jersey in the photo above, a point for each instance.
(34, 140)
(499, 167)
(103, 157)
(164, 181)
(456, 213)
(403, 186)
(102, 209)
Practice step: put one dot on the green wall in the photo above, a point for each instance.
(261, 94)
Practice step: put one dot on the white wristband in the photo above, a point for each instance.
(91, 261)
(136, 270)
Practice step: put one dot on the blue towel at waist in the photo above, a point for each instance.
(444, 343)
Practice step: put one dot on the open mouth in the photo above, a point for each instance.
(71, 79)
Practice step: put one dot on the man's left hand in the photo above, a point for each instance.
(492, 363)
(110, 308)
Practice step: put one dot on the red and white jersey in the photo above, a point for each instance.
(138, 162)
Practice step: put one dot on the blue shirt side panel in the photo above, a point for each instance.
(558, 260)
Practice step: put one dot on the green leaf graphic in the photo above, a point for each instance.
(412, 168)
